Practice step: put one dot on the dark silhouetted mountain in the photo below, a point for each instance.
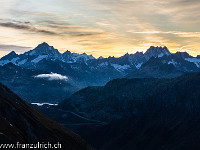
(117, 98)
(146, 132)
(145, 114)
(123, 95)
(21, 122)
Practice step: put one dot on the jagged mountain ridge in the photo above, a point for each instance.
(122, 64)
(84, 70)
(45, 51)
(157, 52)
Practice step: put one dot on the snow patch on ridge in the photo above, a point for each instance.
(39, 58)
(138, 65)
(103, 64)
(161, 55)
(172, 62)
(120, 68)
(196, 61)
(22, 62)
(3, 62)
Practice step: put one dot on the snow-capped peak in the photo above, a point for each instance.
(101, 57)
(156, 52)
(45, 49)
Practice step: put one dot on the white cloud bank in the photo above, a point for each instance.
(52, 76)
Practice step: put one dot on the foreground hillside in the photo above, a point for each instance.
(143, 114)
(20, 122)
(124, 96)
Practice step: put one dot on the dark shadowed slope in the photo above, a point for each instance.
(130, 96)
(144, 114)
(177, 132)
(20, 122)
(117, 98)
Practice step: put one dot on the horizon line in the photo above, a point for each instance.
(99, 56)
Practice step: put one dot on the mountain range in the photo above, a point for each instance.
(144, 101)
(44, 55)
(77, 71)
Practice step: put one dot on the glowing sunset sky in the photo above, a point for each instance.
(100, 27)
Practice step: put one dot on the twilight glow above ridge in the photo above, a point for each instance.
(100, 27)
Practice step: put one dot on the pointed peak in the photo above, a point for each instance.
(139, 53)
(101, 57)
(127, 54)
(12, 53)
(152, 46)
(111, 57)
(67, 52)
(44, 43)
(45, 49)
(10, 56)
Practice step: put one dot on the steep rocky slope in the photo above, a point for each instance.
(21, 122)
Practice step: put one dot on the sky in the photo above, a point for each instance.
(100, 27)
